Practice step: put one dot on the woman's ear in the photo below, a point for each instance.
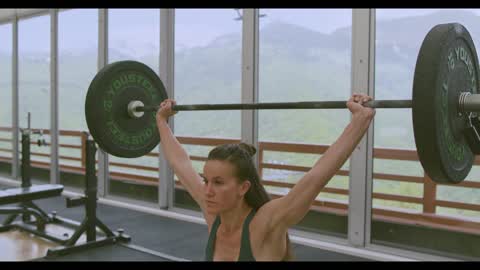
(245, 187)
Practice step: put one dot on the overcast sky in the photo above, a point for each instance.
(138, 28)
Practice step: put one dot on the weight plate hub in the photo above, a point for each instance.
(115, 131)
(447, 65)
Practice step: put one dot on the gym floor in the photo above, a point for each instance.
(156, 234)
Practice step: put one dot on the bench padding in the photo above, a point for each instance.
(18, 195)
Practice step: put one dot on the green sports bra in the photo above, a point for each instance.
(245, 250)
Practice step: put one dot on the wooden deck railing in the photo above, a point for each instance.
(428, 201)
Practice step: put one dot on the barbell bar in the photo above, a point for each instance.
(467, 102)
(137, 106)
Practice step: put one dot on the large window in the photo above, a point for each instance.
(134, 34)
(77, 65)
(5, 98)
(34, 82)
(305, 55)
(208, 55)
(410, 210)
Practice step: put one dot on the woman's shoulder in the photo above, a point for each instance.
(260, 222)
(264, 238)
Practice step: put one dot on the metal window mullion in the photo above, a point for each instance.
(166, 186)
(370, 134)
(361, 161)
(54, 130)
(103, 170)
(250, 54)
(15, 103)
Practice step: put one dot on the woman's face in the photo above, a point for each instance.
(222, 189)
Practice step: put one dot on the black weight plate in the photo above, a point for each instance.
(106, 105)
(447, 65)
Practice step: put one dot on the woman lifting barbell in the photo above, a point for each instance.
(243, 222)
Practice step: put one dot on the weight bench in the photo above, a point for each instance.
(24, 196)
(27, 193)
(18, 195)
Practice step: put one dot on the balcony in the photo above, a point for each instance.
(424, 213)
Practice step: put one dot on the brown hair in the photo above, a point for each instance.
(240, 155)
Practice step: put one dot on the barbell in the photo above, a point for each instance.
(123, 98)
